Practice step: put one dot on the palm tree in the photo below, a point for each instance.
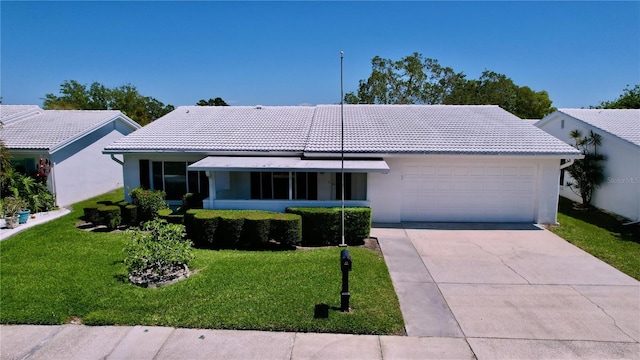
(587, 173)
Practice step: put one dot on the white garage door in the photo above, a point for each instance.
(468, 192)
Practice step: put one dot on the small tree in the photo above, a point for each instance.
(588, 173)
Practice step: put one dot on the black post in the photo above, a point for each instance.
(345, 266)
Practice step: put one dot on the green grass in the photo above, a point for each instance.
(54, 272)
(601, 235)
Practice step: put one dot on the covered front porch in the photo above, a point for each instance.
(275, 183)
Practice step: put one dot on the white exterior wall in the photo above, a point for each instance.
(81, 171)
(384, 190)
(620, 193)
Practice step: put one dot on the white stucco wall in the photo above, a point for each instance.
(81, 171)
(620, 193)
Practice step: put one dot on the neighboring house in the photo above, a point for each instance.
(408, 162)
(620, 131)
(72, 140)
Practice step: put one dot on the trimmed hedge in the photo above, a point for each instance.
(109, 215)
(130, 215)
(232, 229)
(322, 226)
(171, 217)
(91, 213)
(286, 229)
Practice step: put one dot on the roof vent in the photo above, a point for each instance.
(259, 107)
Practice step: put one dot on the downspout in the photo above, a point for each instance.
(114, 158)
(567, 164)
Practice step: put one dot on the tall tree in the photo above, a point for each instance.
(630, 99)
(126, 98)
(587, 173)
(415, 79)
(493, 88)
(212, 102)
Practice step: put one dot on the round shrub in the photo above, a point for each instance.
(109, 216)
(91, 213)
(157, 247)
(130, 215)
(149, 202)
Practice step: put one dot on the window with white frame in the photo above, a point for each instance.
(275, 185)
(175, 180)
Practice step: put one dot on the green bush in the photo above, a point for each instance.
(30, 188)
(201, 226)
(157, 246)
(91, 213)
(149, 202)
(357, 225)
(255, 230)
(323, 226)
(130, 215)
(171, 217)
(109, 215)
(251, 229)
(229, 229)
(191, 201)
(286, 229)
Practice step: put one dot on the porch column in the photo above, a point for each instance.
(290, 185)
(212, 188)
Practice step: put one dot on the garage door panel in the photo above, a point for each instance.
(468, 192)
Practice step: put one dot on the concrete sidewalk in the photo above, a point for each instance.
(141, 342)
(40, 218)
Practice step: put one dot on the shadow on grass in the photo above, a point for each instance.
(601, 219)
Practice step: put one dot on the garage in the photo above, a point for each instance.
(455, 191)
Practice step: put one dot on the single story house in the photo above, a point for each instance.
(71, 141)
(447, 163)
(620, 132)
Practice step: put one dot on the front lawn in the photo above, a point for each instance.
(54, 272)
(601, 235)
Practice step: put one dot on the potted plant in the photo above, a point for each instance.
(11, 207)
(3, 222)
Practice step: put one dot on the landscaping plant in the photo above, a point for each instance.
(587, 173)
(157, 248)
(149, 202)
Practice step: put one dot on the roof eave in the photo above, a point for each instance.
(79, 136)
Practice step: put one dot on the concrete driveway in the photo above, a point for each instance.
(511, 291)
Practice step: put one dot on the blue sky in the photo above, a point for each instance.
(287, 53)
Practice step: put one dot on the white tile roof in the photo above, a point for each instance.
(10, 113)
(51, 128)
(224, 128)
(373, 129)
(436, 129)
(623, 123)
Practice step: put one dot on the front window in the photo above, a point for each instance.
(275, 185)
(173, 178)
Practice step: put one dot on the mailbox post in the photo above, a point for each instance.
(345, 266)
